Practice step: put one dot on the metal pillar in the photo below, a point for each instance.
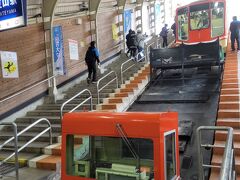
(48, 15)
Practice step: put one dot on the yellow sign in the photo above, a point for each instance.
(115, 32)
(9, 64)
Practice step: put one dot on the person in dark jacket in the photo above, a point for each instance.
(128, 40)
(91, 57)
(133, 44)
(173, 27)
(164, 34)
(234, 29)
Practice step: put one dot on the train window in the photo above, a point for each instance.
(109, 158)
(183, 24)
(217, 17)
(199, 16)
(170, 155)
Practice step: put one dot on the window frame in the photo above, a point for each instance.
(165, 160)
(224, 18)
(209, 16)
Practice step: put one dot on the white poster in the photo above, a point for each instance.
(9, 64)
(73, 49)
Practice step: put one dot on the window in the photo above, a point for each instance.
(170, 155)
(217, 17)
(199, 16)
(108, 158)
(183, 24)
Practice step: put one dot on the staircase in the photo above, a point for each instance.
(111, 99)
(228, 113)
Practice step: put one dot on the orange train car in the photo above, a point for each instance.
(202, 21)
(120, 146)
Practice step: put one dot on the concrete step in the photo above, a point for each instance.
(35, 147)
(39, 127)
(27, 136)
(232, 97)
(230, 85)
(47, 162)
(94, 95)
(78, 100)
(47, 112)
(215, 174)
(220, 150)
(54, 149)
(23, 157)
(222, 135)
(73, 92)
(230, 80)
(229, 122)
(230, 91)
(217, 159)
(228, 113)
(228, 105)
(32, 119)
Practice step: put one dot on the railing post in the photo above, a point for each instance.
(200, 160)
(16, 150)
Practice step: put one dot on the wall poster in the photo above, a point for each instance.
(127, 20)
(73, 49)
(58, 51)
(115, 32)
(9, 64)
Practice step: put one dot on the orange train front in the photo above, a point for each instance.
(120, 146)
(202, 21)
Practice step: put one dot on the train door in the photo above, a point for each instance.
(170, 155)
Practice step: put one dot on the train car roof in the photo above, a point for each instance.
(135, 124)
(200, 2)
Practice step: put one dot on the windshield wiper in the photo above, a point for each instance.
(129, 145)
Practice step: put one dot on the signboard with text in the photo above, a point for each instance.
(12, 14)
(58, 51)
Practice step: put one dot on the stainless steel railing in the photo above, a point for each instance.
(104, 77)
(124, 70)
(27, 89)
(15, 148)
(15, 138)
(74, 97)
(227, 168)
(147, 47)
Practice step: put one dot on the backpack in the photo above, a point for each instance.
(133, 40)
(90, 55)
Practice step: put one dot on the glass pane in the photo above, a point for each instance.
(109, 158)
(217, 10)
(183, 24)
(199, 16)
(170, 155)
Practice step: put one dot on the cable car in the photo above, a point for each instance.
(120, 146)
(202, 21)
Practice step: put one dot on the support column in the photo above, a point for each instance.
(48, 15)
(139, 12)
(93, 9)
(121, 33)
(152, 17)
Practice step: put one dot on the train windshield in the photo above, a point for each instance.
(199, 16)
(110, 158)
(183, 24)
(217, 17)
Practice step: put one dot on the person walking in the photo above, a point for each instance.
(140, 44)
(234, 29)
(133, 44)
(91, 57)
(128, 41)
(164, 34)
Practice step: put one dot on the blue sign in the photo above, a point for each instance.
(58, 51)
(127, 20)
(12, 14)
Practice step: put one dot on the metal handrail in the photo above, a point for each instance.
(16, 135)
(147, 51)
(24, 90)
(228, 164)
(122, 71)
(98, 90)
(78, 94)
(16, 145)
